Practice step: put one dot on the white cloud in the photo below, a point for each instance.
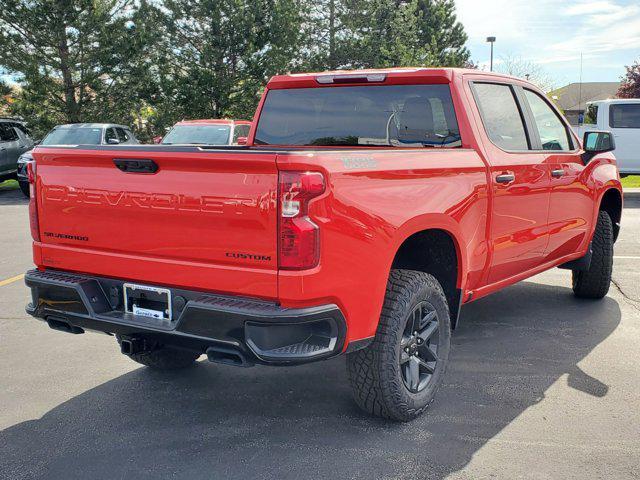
(555, 33)
(588, 7)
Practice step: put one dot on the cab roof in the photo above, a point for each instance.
(386, 76)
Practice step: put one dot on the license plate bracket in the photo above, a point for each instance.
(147, 301)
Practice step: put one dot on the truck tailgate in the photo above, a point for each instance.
(206, 219)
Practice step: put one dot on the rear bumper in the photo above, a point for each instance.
(250, 331)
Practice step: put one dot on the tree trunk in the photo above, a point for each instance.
(72, 110)
(333, 64)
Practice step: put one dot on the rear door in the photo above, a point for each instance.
(204, 219)
(519, 179)
(624, 123)
(570, 204)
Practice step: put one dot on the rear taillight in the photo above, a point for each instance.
(299, 237)
(33, 202)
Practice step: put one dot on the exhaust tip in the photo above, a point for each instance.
(63, 326)
(228, 356)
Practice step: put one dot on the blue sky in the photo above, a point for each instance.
(553, 33)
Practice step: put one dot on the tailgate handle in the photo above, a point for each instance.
(130, 165)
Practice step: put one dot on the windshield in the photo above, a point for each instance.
(392, 115)
(200, 134)
(74, 136)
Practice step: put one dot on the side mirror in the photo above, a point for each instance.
(242, 140)
(113, 141)
(157, 139)
(597, 142)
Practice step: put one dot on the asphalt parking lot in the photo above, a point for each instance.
(540, 385)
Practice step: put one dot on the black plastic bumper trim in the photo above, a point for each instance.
(202, 320)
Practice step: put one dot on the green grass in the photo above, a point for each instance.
(9, 185)
(632, 181)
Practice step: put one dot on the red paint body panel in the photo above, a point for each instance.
(208, 219)
(187, 225)
(367, 213)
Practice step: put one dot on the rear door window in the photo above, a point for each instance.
(240, 131)
(501, 116)
(375, 115)
(122, 135)
(7, 133)
(110, 134)
(624, 115)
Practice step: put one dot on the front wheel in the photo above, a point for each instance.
(397, 376)
(595, 282)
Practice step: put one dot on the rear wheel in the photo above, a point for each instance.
(595, 282)
(397, 376)
(24, 186)
(165, 358)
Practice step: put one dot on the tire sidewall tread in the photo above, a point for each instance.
(375, 373)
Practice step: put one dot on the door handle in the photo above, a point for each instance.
(557, 173)
(130, 165)
(505, 178)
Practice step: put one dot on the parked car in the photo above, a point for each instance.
(14, 140)
(366, 210)
(77, 134)
(208, 132)
(622, 118)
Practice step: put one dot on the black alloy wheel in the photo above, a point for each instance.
(419, 347)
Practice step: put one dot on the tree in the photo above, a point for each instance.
(323, 35)
(75, 59)
(395, 33)
(630, 86)
(518, 67)
(217, 55)
(439, 28)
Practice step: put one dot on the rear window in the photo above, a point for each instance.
(198, 134)
(624, 115)
(74, 136)
(391, 115)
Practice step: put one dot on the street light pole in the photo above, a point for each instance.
(491, 40)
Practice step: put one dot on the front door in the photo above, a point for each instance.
(570, 204)
(520, 183)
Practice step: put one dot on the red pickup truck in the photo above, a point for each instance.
(366, 208)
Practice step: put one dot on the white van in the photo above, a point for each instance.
(622, 118)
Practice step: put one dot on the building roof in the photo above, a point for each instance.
(575, 95)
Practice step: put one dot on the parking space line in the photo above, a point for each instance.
(11, 280)
(633, 257)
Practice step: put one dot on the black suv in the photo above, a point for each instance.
(14, 141)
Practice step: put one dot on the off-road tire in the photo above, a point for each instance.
(375, 373)
(595, 282)
(165, 358)
(24, 187)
